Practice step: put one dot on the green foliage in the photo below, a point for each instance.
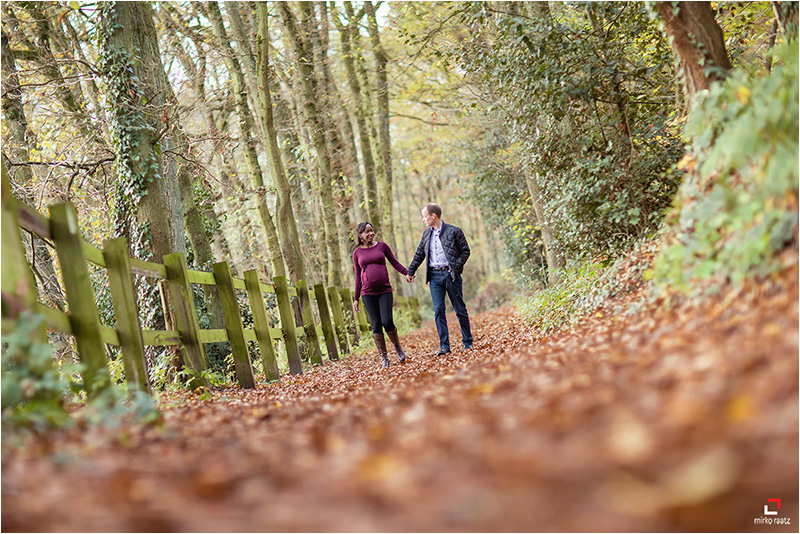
(403, 321)
(737, 208)
(365, 345)
(499, 190)
(583, 94)
(115, 405)
(586, 285)
(555, 307)
(33, 390)
(224, 378)
(160, 370)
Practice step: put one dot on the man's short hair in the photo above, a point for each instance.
(434, 209)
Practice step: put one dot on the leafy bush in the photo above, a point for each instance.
(33, 390)
(556, 306)
(737, 207)
(587, 285)
(584, 91)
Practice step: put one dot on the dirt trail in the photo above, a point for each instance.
(686, 419)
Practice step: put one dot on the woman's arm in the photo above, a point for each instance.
(357, 270)
(387, 251)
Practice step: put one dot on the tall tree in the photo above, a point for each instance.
(343, 122)
(17, 151)
(303, 57)
(367, 90)
(327, 101)
(148, 198)
(698, 42)
(287, 225)
(384, 140)
(248, 141)
(350, 57)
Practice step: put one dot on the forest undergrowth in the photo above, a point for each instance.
(679, 416)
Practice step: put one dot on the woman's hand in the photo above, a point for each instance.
(355, 306)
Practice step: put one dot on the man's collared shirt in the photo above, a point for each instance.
(437, 255)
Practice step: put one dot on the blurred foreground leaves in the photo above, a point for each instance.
(676, 418)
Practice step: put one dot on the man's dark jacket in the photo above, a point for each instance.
(455, 248)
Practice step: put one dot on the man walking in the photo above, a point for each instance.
(447, 251)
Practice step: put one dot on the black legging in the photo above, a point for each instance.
(379, 309)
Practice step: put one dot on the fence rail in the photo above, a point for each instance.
(297, 320)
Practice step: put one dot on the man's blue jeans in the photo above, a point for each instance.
(441, 283)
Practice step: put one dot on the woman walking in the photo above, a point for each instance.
(372, 284)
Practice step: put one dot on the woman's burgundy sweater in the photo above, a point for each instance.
(372, 277)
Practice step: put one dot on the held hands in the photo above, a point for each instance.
(410, 278)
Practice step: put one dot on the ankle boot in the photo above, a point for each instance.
(396, 342)
(380, 342)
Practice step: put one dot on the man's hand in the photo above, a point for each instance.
(355, 306)
(410, 278)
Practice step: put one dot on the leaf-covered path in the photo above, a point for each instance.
(685, 419)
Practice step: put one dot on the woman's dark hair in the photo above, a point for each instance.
(360, 230)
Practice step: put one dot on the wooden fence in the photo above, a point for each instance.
(331, 320)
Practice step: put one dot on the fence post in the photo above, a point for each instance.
(126, 310)
(363, 322)
(287, 324)
(19, 288)
(83, 316)
(325, 318)
(308, 322)
(338, 319)
(185, 316)
(233, 324)
(256, 298)
(350, 316)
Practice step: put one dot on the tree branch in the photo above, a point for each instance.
(432, 123)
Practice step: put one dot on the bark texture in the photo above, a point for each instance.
(698, 41)
(246, 133)
(139, 116)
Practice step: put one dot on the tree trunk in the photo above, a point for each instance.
(786, 13)
(18, 150)
(344, 124)
(555, 259)
(147, 187)
(370, 187)
(383, 138)
(302, 57)
(384, 141)
(248, 58)
(287, 226)
(698, 41)
(226, 174)
(246, 129)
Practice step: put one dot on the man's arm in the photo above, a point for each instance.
(462, 246)
(419, 255)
